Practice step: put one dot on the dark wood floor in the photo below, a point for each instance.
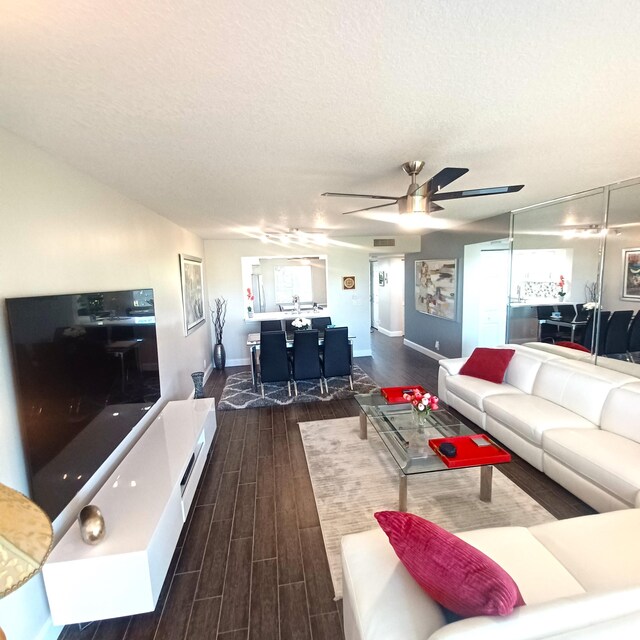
(250, 562)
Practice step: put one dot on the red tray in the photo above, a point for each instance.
(393, 395)
(469, 454)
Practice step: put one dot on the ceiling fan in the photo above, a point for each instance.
(422, 198)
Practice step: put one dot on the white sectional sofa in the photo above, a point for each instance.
(577, 422)
(580, 579)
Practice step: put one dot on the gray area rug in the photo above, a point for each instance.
(353, 478)
(238, 391)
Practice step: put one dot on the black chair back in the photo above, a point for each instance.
(270, 325)
(274, 363)
(616, 336)
(567, 312)
(288, 327)
(587, 337)
(320, 323)
(337, 353)
(634, 334)
(306, 355)
(544, 311)
(582, 314)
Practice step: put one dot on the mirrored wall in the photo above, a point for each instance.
(274, 282)
(575, 274)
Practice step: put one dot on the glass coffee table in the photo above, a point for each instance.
(407, 439)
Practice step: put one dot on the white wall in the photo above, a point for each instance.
(348, 257)
(391, 296)
(62, 232)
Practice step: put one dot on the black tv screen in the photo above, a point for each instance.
(86, 372)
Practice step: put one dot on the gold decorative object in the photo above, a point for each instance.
(26, 538)
(92, 527)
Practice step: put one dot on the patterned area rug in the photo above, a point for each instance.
(238, 392)
(353, 478)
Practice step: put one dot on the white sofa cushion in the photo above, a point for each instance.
(621, 412)
(377, 586)
(589, 616)
(606, 459)
(475, 390)
(452, 365)
(530, 416)
(579, 386)
(558, 350)
(539, 576)
(523, 368)
(578, 544)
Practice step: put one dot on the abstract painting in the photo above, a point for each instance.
(435, 288)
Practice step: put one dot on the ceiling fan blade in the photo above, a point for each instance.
(443, 178)
(378, 206)
(358, 195)
(432, 206)
(472, 193)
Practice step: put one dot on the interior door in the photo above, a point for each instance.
(485, 294)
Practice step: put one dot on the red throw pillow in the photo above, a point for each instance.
(573, 345)
(455, 574)
(487, 364)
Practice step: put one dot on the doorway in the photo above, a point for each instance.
(485, 294)
(387, 295)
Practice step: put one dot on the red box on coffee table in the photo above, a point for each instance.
(393, 395)
(469, 454)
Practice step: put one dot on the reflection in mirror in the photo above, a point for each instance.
(274, 282)
(596, 248)
(555, 268)
(620, 344)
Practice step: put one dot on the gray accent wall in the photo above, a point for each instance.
(423, 329)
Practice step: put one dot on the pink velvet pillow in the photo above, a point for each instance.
(573, 345)
(488, 364)
(455, 574)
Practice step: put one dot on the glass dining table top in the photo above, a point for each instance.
(406, 436)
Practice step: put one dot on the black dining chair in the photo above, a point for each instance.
(274, 362)
(320, 323)
(582, 314)
(306, 357)
(270, 325)
(587, 336)
(549, 332)
(633, 345)
(616, 336)
(288, 327)
(336, 355)
(567, 312)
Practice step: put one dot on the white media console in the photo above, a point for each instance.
(144, 504)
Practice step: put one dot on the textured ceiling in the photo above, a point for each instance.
(228, 116)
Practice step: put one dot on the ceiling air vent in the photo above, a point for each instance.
(384, 242)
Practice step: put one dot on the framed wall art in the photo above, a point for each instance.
(349, 282)
(435, 287)
(192, 292)
(631, 274)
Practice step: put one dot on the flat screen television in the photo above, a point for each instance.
(87, 372)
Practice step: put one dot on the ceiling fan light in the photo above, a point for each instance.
(413, 204)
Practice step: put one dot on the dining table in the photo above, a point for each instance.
(253, 342)
(566, 324)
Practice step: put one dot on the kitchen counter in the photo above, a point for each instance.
(287, 315)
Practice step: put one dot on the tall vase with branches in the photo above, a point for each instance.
(218, 317)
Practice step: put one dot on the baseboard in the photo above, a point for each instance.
(391, 334)
(424, 350)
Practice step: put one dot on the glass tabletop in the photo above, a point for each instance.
(406, 436)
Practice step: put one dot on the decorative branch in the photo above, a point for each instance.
(591, 291)
(218, 317)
